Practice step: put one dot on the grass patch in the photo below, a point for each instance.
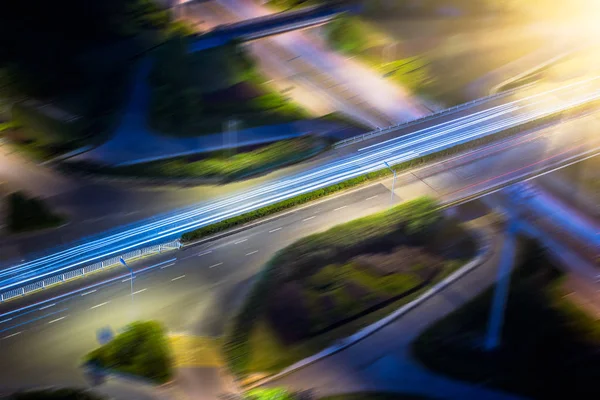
(142, 349)
(197, 93)
(30, 214)
(8, 125)
(220, 165)
(356, 37)
(549, 345)
(372, 176)
(325, 286)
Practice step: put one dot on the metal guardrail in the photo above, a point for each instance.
(378, 132)
(69, 275)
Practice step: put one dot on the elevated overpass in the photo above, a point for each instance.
(273, 24)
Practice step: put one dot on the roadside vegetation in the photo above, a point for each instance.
(64, 79)
(29, 214)
(549, 345)
(457, 40)
(353, 36)
(142, 349)
(199, 93)
(222, 166)
(436, 49)
(55, 394)
(262, 212)
(328, 285)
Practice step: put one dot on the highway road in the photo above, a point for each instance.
(110, 204)
(367, 159)
(42, 337)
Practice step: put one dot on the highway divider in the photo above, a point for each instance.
(301, 199)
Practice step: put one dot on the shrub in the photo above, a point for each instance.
(142, 349)
(25, 214)
(346, 35)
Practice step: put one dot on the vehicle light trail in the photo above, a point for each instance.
(368, 159)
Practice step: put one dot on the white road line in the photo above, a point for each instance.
(252, 252)
(205, 253)
(274, 230)
(140, 291)
(340, 208)
(179, 277)
(126, 279)
(166, 266)
(240, 241)
(99, 305)
(372, 197)
(216, 265)
(5, 320)
(14, 334)
(308, 219)
(90, 292)
(57, 319)
(48, 306)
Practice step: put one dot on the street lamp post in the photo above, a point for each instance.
(130, 276)
(393, 182)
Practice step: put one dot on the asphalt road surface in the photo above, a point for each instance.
(194, 290)
(366, 159)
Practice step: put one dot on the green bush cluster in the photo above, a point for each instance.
(44, 129)
(411, 72)
(346, 35)
(142, 349)
(382, 173)
(219, 165)
(269, 394)
(410, 218)
(27, 214)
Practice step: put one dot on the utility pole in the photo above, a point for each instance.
(393, 182)
(231, 136)
(130, 278)
(502, 288)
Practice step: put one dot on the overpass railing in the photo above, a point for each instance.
(402, 125)
(76, 273)
(282, 16)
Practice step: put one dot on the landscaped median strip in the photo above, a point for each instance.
(301, 199)
(482, 256)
